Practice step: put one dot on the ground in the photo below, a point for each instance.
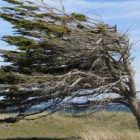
(98, 126)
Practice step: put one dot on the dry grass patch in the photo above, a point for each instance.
(109, 134)
(97, 126)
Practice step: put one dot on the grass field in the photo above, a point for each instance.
(98, 126)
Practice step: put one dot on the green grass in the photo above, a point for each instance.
(60, 126)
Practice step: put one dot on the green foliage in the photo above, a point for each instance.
(8, 78)
(43, 26)
(35, 34)
(26, 70)
(13, 2)
(9, 17)
(102, 27)
(31, 8)
(13, 56)
(52, 16)
(15, 9)
(49, 28)
(19, 41)
(38, 39)
(79, 17)
(45, 15)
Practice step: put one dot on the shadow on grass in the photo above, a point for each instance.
(72, 138)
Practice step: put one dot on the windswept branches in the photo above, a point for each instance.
(74, 52)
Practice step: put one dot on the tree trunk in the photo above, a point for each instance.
(135, 108)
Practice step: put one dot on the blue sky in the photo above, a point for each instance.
(124, 13)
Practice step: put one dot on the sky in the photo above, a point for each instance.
(123, 13)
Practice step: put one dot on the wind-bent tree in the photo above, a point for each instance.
(60, 54)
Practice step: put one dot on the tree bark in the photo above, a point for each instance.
(135, 108)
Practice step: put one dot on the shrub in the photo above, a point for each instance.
(79, 17)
